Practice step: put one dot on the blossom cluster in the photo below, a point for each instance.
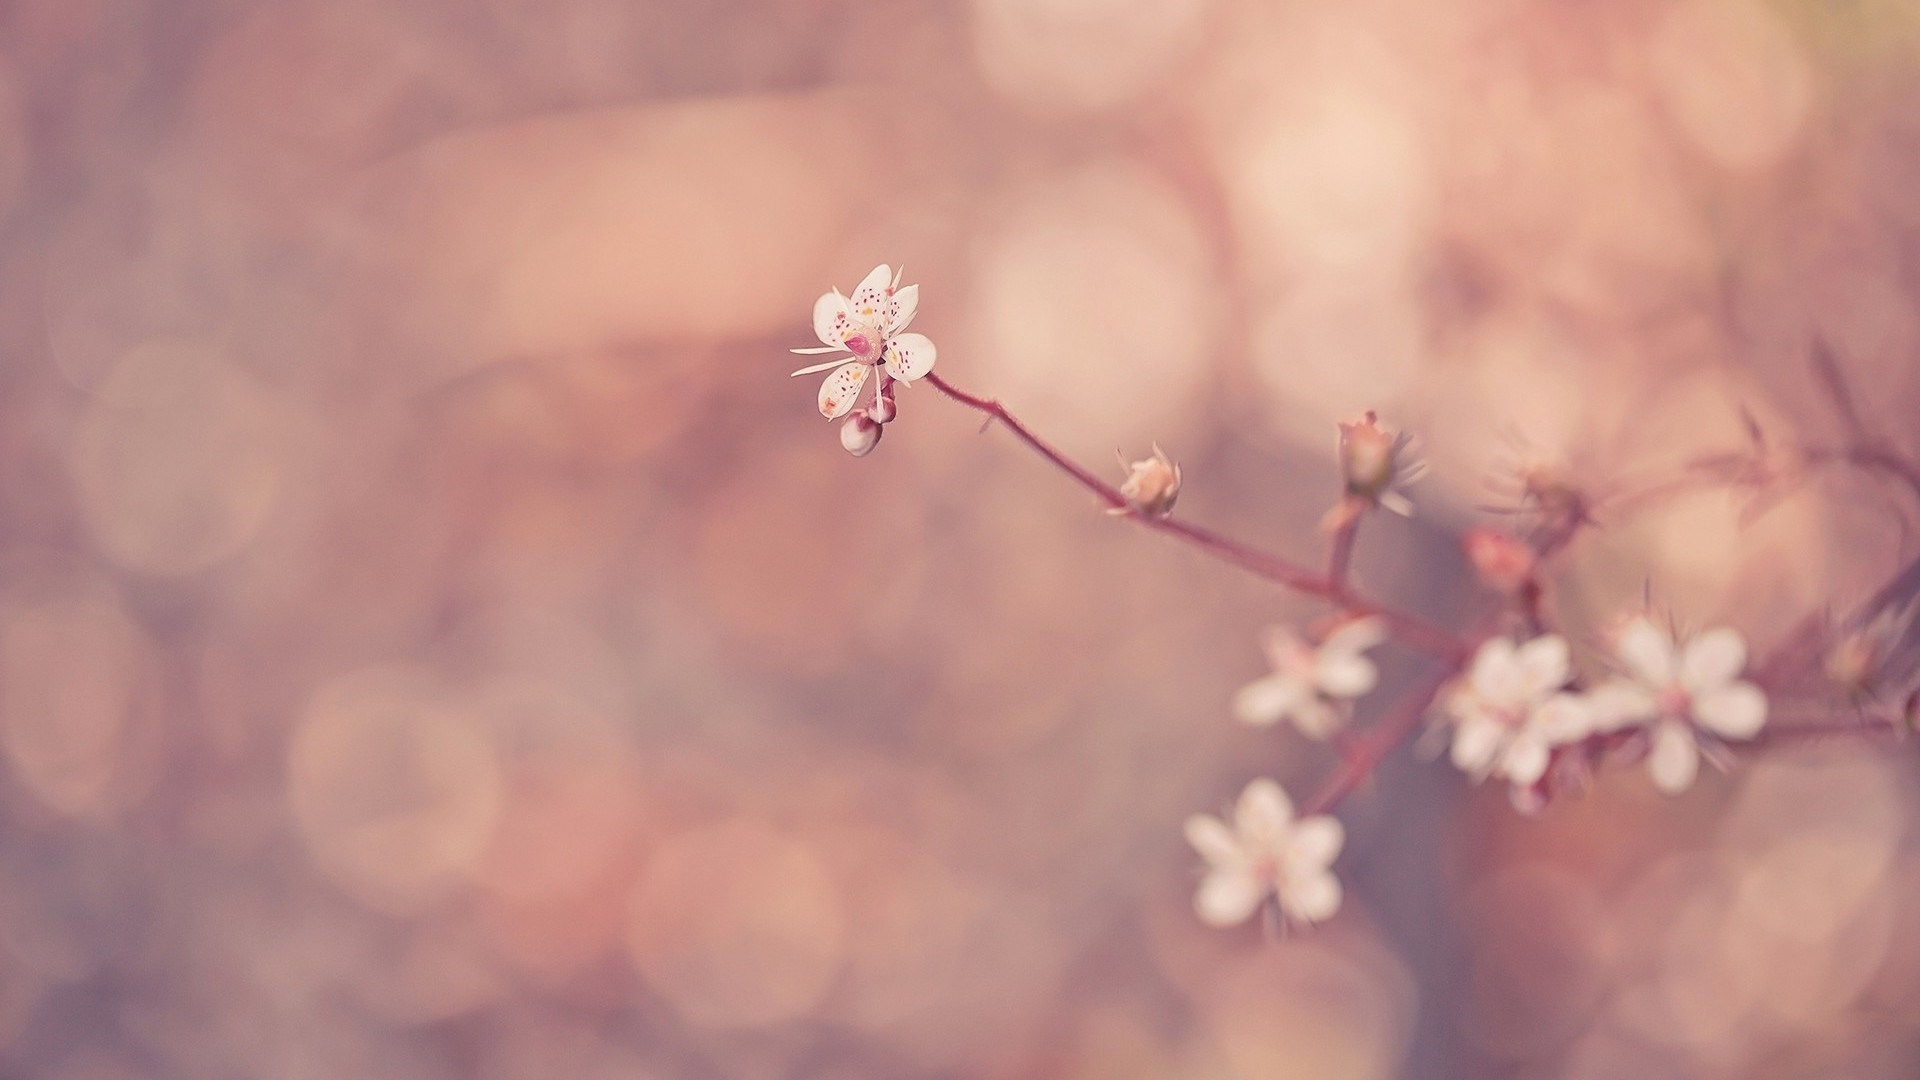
(1517, 711)
(871, 325)
(1513, 706)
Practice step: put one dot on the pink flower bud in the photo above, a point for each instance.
(883, 410)
(1502, 562)
(859, 435)
(1853, 662)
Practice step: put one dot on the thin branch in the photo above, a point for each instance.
(1409, 628)
(1870, 455)
(1801, 732)
(1366, 750)
(1827, 370)
(1340, 551)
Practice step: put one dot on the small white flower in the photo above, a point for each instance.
(870, 327)
(1311, 685)
(1266, 854)
(1511, 712)
(1680, 691)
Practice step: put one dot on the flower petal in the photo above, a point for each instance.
(1396, 502)
(1734, 712)
(1215, 842)
(1475, 742)
(1620, 703)
(842, 388)
(1226, 898)
(1563, 719)
(1355, 636)
(900, 309)
(1675, 759)
(1345, 675)
(1311, 898)
(1314, 842)
(1545, 661)
(869, 299)
(831, 320)
(909, 356)
(1317, 718)
(1496, 669)
(1647, 651)
(1525, 759)
(1712, 660)
(1269, 700)
(1262, 814)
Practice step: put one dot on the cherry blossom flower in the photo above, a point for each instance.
(1686, 693)
(1266, 855)
(1312, 685)
(1151, 486)
(1511, 712)
(870, 325)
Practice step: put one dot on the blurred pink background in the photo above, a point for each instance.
(436, 639)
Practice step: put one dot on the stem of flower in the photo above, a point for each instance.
(1340, 552)
(1371, 747)
(1808, 731)
(1410, 628)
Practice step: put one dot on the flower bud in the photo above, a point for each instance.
(1376, 465)
(883, 410)
(859, 435)
(1502, 562)
(1152, 484)
(1367, 453)
(1853, 662)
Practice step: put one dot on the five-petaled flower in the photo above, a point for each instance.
(869, 325)
(1312, 685)
(1511, 712)
(1683, 692)
(1266, 855)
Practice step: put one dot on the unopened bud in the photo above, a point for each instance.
(1152, 484)
(1502, 562)
(1366, 455)
(883, 410)
(859, 435)
(1376, 464)
(1853, 662)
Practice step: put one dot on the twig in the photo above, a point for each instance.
(1408, 627)
(1340, 552)
(1369, 748)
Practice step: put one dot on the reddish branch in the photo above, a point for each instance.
(1360, 754)
(1408, 627)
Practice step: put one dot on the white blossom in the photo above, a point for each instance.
(1511, 711)
(1311, 685)
(870, 325)
(1682, 692)
(1266, 854)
